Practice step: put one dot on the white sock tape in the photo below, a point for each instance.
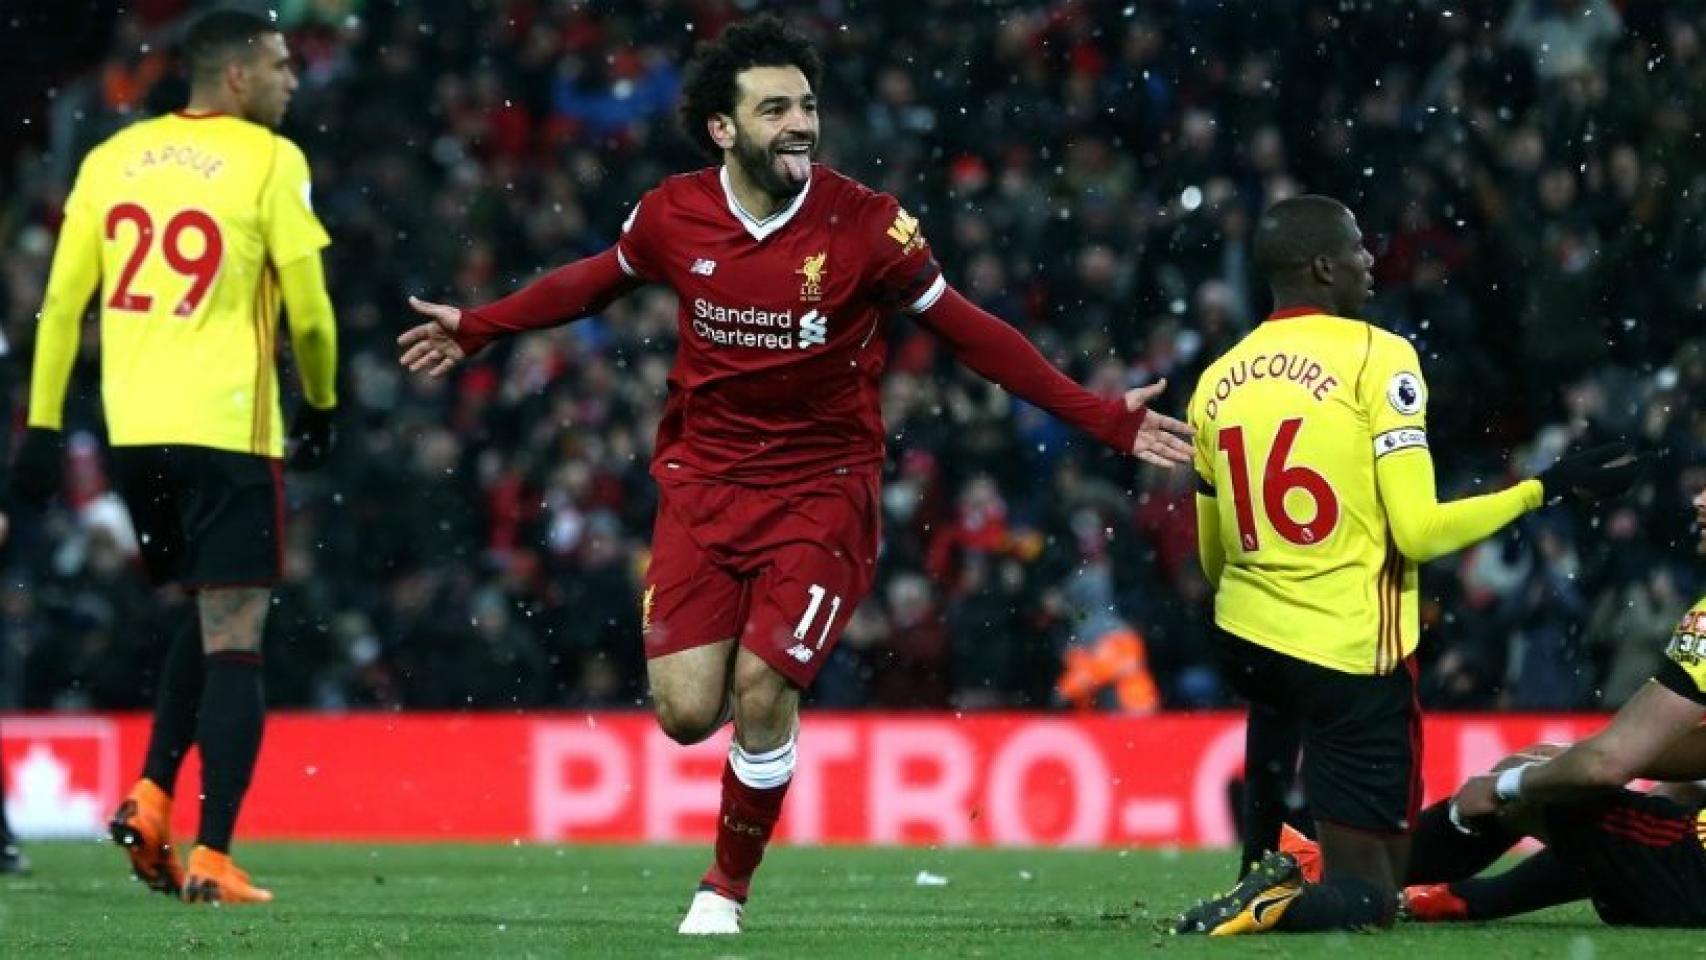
(763, 771)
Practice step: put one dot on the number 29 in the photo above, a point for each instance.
(202, 268)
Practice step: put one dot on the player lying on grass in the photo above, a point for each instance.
(1638, 857)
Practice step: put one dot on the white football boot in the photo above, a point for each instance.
(711, 914)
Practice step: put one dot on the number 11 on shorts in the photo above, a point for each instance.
(817, 595)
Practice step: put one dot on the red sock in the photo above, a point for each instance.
(745, 822)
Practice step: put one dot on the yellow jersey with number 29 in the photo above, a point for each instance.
(188, 219)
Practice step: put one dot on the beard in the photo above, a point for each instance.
(762, 166)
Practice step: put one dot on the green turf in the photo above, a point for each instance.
(381, 900)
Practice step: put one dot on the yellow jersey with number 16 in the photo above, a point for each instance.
(1289, 425)
(188, 219)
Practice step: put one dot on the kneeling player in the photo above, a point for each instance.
(1316, 501)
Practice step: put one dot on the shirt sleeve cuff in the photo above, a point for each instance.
(473, 333)
(1122, 424)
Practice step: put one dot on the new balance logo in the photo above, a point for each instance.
(814, 330)
(801, 652)
(703, 268)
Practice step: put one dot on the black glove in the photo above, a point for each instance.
(311, 435)
(39, 470)
(1593, 474)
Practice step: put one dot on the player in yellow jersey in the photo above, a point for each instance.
(193, 228)
(1316, 501)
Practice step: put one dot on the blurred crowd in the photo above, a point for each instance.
(1531, 174)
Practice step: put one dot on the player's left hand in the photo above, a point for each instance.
(1161, 440)
(429, 347)
(1591, 475)
(1477, 798)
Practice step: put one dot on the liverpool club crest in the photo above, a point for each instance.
(813, 270)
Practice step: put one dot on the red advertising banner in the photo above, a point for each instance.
(1006, 779)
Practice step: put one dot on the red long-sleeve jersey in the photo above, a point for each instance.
(781, 326)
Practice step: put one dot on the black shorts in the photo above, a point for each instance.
(204, 517)
(1640, 855)
(1362, 735)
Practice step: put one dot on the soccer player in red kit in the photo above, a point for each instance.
(770, 449)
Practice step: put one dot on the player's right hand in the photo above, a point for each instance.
(39, 470)
(429, 347)
(1593, 474)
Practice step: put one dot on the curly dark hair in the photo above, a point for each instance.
(761, 41)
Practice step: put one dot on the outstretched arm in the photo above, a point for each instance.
(566, 293)
(1002, 355)
(1423, 527)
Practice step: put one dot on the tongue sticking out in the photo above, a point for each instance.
(797, 167)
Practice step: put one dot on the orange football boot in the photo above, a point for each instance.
(1305, 851)
(213, 878)
(1432, 903)
(142, 825)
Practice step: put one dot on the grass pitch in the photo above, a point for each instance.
(458, 900)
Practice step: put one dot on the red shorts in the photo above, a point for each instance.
(778, 568)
